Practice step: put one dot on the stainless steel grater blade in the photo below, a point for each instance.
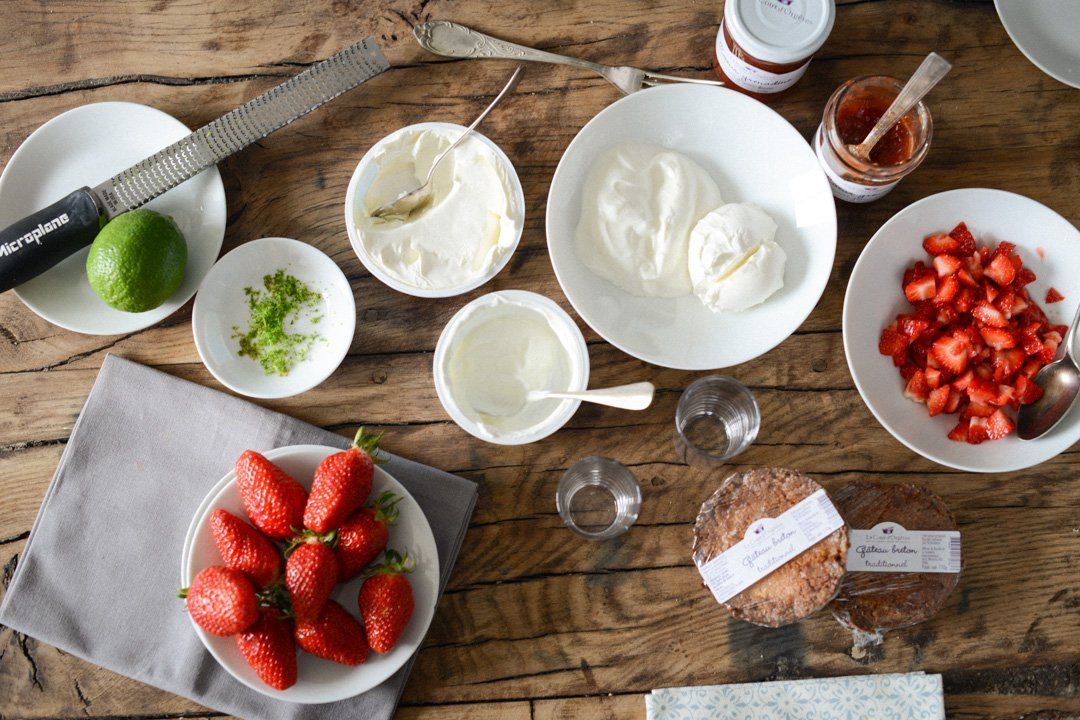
(252, 121)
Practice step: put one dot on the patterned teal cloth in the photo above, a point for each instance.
(910, 696)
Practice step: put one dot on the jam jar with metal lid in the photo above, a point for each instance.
(764, 46)
(849, 116)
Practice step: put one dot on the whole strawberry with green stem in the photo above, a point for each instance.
(386, 601)
(244, 548)
(364, 535)
(311, 572)
(221, 601)
(334, 635)
(342, 484)
(270, 650)
(274, 502)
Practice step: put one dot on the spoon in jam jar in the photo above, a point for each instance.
(929, 74)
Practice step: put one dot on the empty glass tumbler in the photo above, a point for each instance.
(716, 419)
(598, 498)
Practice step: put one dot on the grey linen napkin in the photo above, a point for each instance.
(99, 573)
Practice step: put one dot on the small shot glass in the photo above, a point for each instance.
(598, 498)
(716, 419)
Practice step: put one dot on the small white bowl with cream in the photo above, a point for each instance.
(498, 348)
(455, 243)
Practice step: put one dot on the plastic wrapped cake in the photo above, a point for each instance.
(770, 546)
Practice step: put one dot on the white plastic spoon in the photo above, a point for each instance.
(636, 396)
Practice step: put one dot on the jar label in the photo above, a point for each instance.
(848, 190)
(888, 547)
(753, 78)
(768, 544)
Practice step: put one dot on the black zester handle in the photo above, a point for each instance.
(41, 240)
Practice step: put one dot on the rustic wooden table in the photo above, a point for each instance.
(537, 623)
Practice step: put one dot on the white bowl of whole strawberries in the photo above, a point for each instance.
(951, 310)
(310, 573)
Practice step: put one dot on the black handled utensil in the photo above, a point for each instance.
(39, 241)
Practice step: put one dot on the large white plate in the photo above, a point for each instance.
(754, 155)
(85, 146)
(318, 680)
(222, 305)
(874, 298)
(1047, 32)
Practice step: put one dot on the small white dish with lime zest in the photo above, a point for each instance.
(321, 328)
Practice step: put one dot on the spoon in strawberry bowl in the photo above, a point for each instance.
(1060, 381)
(929, 74)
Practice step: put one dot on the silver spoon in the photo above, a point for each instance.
(636, 396)
(1060, 381)
(929, 74)
(409, 200)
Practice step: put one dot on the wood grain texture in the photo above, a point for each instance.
(535, 624)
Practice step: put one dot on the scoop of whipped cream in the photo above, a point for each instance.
(735, 263)
(466, 230)
(639, 205)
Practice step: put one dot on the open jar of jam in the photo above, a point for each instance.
(764, 46)
(849, 116)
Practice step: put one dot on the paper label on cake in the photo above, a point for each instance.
(888, 547)
(769, 543)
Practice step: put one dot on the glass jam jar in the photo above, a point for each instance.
(764, 46)
(849, 115)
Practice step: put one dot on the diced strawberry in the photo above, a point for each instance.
(963, 236)
(951, 351)
(1031, 368)
(1027, 391)
(974, 263)
(1024, 276)
(1001, 270)
(1007, 363)
(911, 326)
(933, 377)
(962, 381)
(990, 291)
(977, 409)
(964, 300)
(900, 358)
(983, 371)
(932, 363)
(960, 432)
(1059, 329)
(940, 243)
(977, 430)
(1006, 395)
(1004, 249)
(997, 338)
(947, 265)
(916, 271)
(982, 391)
(999, 425)
(923, 288)
(1017, 262)
(1005, 301)
(984, 255)
(947, 314)
(892, 342)
(916, 388)
(937, 400)
(987, 314)
(1052, 295)
(1031, 344)
(1019, 305)
(954, 401)
(908, 370)
(966, 278)
(946, 290)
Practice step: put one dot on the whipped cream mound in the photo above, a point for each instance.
(734, 261)
(465, 232)
(502, 350)
(639, 205)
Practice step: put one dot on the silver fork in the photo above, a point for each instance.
(457, 41)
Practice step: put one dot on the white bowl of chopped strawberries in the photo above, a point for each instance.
(953, 306)
(310, 573)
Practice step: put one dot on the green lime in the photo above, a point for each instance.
(137, 260)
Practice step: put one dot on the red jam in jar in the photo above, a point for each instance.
(764, 46)
(849, 116)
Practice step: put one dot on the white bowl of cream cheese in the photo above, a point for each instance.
(458, 242)
(498, 348)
